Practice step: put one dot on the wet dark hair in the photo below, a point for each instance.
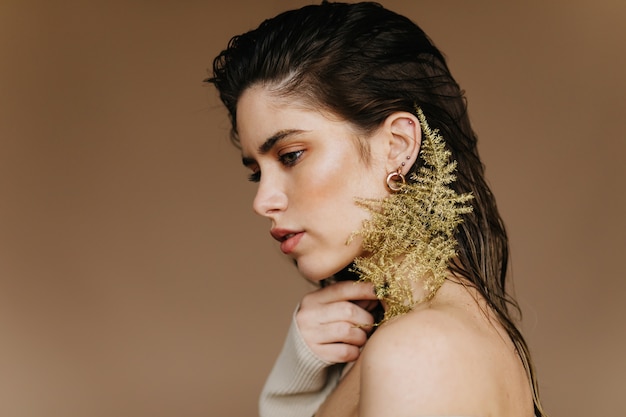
(363, 63)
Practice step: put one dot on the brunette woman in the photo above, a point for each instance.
(367, 167)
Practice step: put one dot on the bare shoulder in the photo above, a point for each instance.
(418, 360)
(441, 361)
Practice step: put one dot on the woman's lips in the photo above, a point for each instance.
(290, 242)
(288, 239)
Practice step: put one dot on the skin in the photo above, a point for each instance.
(449, 357)
(307, 182)
(309, 174)
(446, 357)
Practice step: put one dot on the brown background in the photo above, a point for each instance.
(134, 278)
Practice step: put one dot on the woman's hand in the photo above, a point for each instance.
(335, 321)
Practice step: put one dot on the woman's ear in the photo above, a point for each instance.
(405, 138)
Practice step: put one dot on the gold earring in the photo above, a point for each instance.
(396, 180)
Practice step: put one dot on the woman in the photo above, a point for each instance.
(367, 168)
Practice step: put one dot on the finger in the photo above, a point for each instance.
(368, 305)
(339, 332)
(341, 311)
(338, 352)
(346, 291)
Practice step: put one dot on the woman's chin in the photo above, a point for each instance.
(316, 273)
(313, 277)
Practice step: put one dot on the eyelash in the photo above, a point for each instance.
(288, 159)
(255, 176)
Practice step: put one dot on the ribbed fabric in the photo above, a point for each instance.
(299, 381)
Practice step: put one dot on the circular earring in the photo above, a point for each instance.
(396, 181)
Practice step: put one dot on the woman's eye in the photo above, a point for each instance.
(290, 158)
(287, 159)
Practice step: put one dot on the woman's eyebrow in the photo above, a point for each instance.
(270, 142)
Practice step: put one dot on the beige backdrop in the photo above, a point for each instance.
(135, 279)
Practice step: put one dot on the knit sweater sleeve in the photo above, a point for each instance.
(299, 381)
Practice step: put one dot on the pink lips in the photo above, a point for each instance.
(288, 239)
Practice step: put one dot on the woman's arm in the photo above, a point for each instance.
(299, 381)
(328, 329)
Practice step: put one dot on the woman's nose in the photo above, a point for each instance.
(270, 199)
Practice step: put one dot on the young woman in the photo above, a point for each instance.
(367, 168)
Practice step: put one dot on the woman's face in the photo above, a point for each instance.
(309, 173)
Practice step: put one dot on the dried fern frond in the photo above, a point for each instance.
(411, 234)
